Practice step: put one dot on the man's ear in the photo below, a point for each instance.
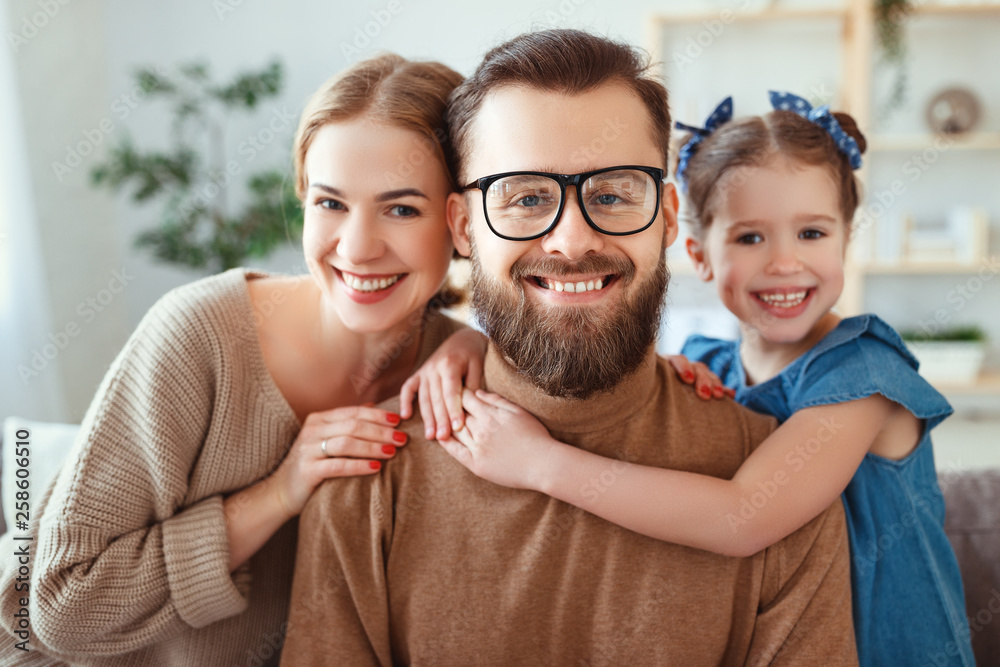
(457, 215)
(668, 209)
(696, 251)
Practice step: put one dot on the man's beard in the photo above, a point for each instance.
(571, 351)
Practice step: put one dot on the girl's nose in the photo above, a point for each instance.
(784, 259)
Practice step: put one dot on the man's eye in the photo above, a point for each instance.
(528, 201)
(811, 234)
(749, 239)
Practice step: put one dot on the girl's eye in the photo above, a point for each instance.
(811, 234)
(403, 211)
(749, 239)
(331, 204)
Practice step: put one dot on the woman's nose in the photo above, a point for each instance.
(360, 239)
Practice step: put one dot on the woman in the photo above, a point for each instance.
(166, 538)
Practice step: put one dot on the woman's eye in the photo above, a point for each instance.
(331, 204)
(749, 239)
(403, 211)
(811, 234)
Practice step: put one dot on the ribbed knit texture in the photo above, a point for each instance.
(434, 566)
(130, 561)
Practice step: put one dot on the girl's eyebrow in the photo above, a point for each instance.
(815, 217)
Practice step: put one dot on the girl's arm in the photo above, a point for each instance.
(439, 382)
(793, 475)
(354, 437)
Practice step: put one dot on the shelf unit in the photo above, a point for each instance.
(857, 39)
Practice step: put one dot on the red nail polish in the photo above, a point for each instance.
(374, 465)
(704, 392)
(688, 376)
(399, 436)
(388, 449)
(393, 419)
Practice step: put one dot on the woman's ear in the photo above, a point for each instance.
(696, 251)
(457, 215)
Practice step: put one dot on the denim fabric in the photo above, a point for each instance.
(909, 608)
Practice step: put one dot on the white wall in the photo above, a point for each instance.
(75, 71)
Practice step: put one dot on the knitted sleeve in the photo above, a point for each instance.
(125, 556)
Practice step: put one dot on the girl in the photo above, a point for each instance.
(771, 200)
(166, 538)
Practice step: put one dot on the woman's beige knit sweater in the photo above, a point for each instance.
(129, 561)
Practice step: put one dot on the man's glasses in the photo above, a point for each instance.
(525, 205)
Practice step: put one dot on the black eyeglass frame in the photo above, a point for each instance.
(482, 184)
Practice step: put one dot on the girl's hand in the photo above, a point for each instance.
(501, 442)
(356, 439)
(707, 384)
(438, 383)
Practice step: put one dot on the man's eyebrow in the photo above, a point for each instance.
(396, 194)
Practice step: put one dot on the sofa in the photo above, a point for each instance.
(972, 498)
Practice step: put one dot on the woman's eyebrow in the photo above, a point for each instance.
(326, 188)
(396, 194)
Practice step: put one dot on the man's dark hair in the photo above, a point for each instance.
(560, 61)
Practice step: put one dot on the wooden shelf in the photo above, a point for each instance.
(772, 14)
(919, 142)
(905, 268)
(964, 9)
(987, 383)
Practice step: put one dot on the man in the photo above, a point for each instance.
(428, 564)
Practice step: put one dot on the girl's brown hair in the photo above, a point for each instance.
(724, 157)
(389, 89)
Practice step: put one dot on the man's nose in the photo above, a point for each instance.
(573, 237)
(360, 239)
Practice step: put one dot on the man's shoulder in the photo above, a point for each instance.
(712, 436)
(724, 413)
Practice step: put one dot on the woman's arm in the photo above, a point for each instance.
(356, 437)
(796, 473)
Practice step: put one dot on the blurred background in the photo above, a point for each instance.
(193, 106)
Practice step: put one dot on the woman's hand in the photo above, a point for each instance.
(502, 442)
(706, 383)
(356, 440)
(438, 383)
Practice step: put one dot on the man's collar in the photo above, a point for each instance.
(572, 415)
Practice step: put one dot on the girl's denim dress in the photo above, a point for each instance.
(909, 607)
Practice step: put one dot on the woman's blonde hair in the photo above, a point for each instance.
(388, 89)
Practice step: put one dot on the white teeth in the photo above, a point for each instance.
(789, 300)
(368, 284)
(576, 287)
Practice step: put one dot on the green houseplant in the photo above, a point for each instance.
(193, 179)
(948, 356)
(890, 19)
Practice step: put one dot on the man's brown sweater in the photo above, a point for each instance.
(426, 564)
